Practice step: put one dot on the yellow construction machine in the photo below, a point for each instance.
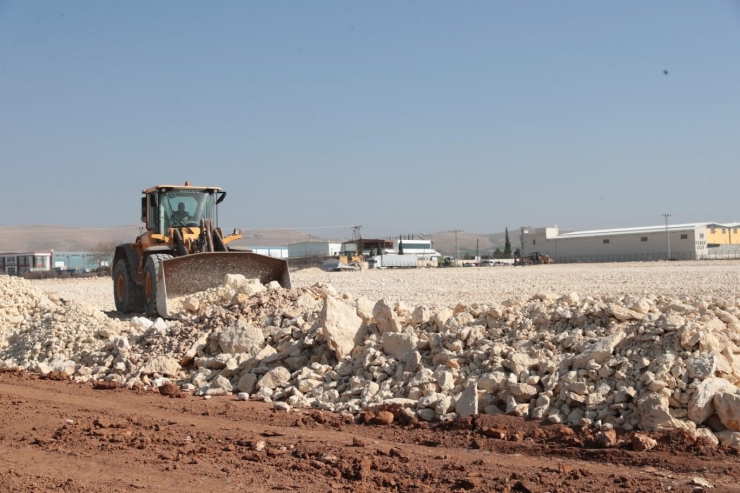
(183, 251)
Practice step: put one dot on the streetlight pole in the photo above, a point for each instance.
(457, 249)
(667, 236)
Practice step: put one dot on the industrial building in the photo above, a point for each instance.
(313, 249)
(693, 241)
(16, 263)
(423, 249)
(271, 251)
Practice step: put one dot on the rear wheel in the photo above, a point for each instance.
(151, 274)
(126, 293)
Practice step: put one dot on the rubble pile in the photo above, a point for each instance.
(626, 362)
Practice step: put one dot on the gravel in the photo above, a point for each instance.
(447, 286)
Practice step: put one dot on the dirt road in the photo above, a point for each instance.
(58, 435)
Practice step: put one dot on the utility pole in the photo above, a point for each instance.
(667, 236)
(457, 248)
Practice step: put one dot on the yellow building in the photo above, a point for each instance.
(722, 234)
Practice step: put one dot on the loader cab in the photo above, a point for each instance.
(165, 207)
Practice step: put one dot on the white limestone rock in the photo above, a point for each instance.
(277, 377)
(727, 405)
(701, 405)
(400, 345)
(599, 350)
(342, 328)
(702, 365)
(386, 318)
(161, 365)
(467, 404)
(240, 338)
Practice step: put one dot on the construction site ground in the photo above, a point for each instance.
(64, 436)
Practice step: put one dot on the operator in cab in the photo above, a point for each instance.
(180, 217)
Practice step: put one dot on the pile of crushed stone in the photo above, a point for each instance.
(626, 362)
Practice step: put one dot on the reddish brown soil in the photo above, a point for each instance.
(62, 436)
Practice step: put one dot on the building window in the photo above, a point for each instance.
(534, 242)
(734, 230)
(701, 236)
(723, 231)
(684, 237)
(644, 238)
(714, 230)
(606, 241)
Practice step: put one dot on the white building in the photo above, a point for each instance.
(423, 249)
(687, 242)
(271, 251)
(308, 249)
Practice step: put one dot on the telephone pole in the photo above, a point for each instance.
(457, 249)
(667, 236)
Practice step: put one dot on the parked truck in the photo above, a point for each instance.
(393, 261)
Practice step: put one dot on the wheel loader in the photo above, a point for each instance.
(183, 251)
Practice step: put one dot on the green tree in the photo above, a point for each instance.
(400, 245)
(498, 253)
(517, 253)
(507, 244)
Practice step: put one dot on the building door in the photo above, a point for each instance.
(11, 271)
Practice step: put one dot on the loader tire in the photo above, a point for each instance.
(151, 274)
(127, 295)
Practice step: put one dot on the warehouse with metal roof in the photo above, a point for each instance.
(691, 241)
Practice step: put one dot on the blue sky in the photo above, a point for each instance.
(401, 116)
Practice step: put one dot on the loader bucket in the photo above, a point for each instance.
(181, 276)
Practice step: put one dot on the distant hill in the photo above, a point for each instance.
(42, 237)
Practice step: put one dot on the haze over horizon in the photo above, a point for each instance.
(403, 117)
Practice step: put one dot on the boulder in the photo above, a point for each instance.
(385, 318)
(400, 345)
(240, 338)
(421, 315)
(246, 383)
(702, 366)
(162, 365)
(219, 386)
(655, 413)
(727, 405)
(493, 382)
(643, 443)
(701, 405)
(600, 350)
(622, 314)
(441, 317)
(728, 438)
(274, 378)
(364, 308)
(341, 326)
(467, 403)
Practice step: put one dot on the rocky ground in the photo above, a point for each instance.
(634, 359)
(64, 436)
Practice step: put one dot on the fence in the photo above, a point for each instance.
(724, 254)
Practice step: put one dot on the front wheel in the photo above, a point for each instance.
(151, 274)
(126, 293)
